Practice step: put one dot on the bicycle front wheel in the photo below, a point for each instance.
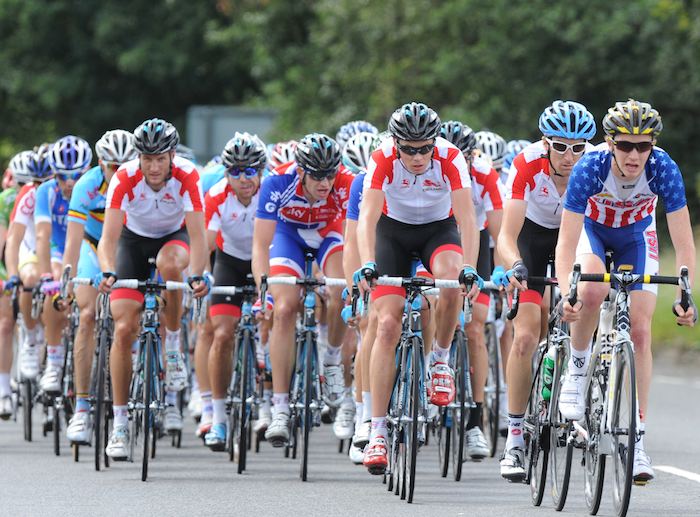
(245, 393)
(101, 400)
(536, 435)
(593, 459)
(492, 389)
(27, 402)
(561, 449)
(624, 427)
(460, 413)
(414, 412)
(149, 368)
(306, 416)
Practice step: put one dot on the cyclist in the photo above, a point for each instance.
(487, 193)
(611, 205)
(536, 186)
(230, 210)
(21, 262)
(413, 183)
(159, 195)
(347, 131)
(513, 149)
(69, 158)
(281, 153)
(19, 174)
(85, 218)
(493, 146)
(302, 209)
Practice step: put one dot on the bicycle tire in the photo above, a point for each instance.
(27, 402)
(56, 429)
(243, 420)
(414, 406)
(100, 406)
(234, 390)
(444, 438)
(594, 461)
(492, 390)
(460, 414)
(623, 440)
(536, 436)
(561, 448)
(147, 396)
(306, 411)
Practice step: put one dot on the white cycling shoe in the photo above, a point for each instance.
(118, 445)
(513, 464)
(356, 455)
(5, 407)
(278, 431)
(51, 380)
(344, 425)
(572, 398)
(264, 419)
(361, 437)
(80, 428)
(641, 470)
(334, 384)
(173, 420)
(477, 448)
(28, 361)
(175, 371)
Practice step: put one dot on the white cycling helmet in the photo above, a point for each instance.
(493, 145)
(19, 165)
(357, 151)
(116, 146)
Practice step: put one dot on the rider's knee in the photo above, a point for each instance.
(524, 342)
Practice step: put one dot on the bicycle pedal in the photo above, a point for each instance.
(641, 482)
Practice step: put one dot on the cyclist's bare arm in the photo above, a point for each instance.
(463, 209)
(263, 232)
(372, 204)
(351, 255)
(14, 239)
(682, 237)
(43, 246)
(211, 240)
(199, 254)
(495, 220)
(513, 220)
(112, 229)
(565, 252)
(74, 240)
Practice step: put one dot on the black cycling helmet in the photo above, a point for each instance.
(244, 150)
(155, 136)
(318, 154)
(459, 134)
(413, 122)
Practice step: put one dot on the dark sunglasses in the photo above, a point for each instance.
(248, 172)
(75, 176)
(626, 147)
(412, 151)
(320, 176)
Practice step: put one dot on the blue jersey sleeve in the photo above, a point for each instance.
(42, 210)
(667, 181)
(79, 206)
(269, 200)
(355, 198)
(584, 181)
(212, 177)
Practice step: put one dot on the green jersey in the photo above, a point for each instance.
(7, 203)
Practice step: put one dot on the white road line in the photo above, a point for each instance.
(679, 472)
(677, 381)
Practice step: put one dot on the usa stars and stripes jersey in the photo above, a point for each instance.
(282, 199)
(529, 180)
(155, 214)
(52, 207)
(593, 191)
(87, 203)
(232, 221)
(487, 190)
(418, 199)
(23, 213)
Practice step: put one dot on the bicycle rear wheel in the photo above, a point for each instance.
(444, 438)
(561, 448)
(101, 399)
(624, 427)
(492, 389)
(414, 412)
(594, 460)
(306, 416)
(245, 393)
(56, 410)
(147, 397)
(27, 403)
(460, 414)
(536, 436)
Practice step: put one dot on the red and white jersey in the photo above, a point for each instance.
(418, 199)
(23, 213)
(232, 221)
(155, 214)
(487, 190)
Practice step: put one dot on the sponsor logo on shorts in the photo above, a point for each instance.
(652, 244)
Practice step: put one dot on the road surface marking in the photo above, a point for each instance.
(679, 472)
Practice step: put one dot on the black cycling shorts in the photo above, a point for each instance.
(484, 264)
(397, 244)
(229, 270)
(536, 245)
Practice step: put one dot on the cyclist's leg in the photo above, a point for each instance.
(202, 352)
(29, 351)
(54, 322)
(7, 324)
(79, 429)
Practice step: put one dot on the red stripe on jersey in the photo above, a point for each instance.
(609, 216)
(450, 171)
(213, 202)
(525, 175)
(188, 182)
(384, 169)
(595, 213)
(19, 199)
(125, 187)
(491, 189)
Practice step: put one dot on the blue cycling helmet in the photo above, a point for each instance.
(347, 131)
(567, 119)
(513, 149)
(70, 154)
(38, 164)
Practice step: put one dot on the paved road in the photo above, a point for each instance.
(195, 481)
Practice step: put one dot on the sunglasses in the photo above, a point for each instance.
(248, 172)
(562, 147)
(75, 176)
(330, 176)
(412, 151)
(626, 147)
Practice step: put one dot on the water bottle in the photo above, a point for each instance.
(548, 373)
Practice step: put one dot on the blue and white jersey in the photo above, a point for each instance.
(52, 207)
(593, 191)
(87, 203)
(211, 176)
(355, 197)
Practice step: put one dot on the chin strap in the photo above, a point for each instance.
(551, 165)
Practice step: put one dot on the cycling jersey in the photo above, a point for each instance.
(530, 181)
(23, 213)
(355, 200)
(211, 176)
(7, 203)
(232, 221)
(423, 198)
(487, 190)
(155, 214)
(87, 203)
(594, 192)
(52, 207)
